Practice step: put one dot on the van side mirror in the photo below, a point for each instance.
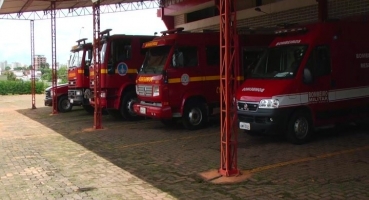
(308, 77)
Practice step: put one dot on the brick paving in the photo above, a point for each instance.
(59, 156)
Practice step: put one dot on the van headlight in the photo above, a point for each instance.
(78, 93)
(155, 91)
(269, 103)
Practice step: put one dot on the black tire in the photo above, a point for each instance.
(299, 130)
(64, 104)
(195, 115)
(126, 106)
(89, 109)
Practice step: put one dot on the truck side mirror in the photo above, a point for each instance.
(308, 77)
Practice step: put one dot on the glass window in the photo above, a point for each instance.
(155, 59)
(279, 62)
(185, 57)
(319, 61)
(213, 55)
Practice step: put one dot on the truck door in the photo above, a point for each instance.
(184, 74)
(320, 66)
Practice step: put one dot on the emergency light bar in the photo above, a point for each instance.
(171, 31)
(291, 30)
(81, 40)
(106, 32)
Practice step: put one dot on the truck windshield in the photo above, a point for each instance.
(155, 59)
(279, 62)
(75, 59)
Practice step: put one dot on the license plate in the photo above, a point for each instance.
(142, 110)
(244, 125)
(71, 100)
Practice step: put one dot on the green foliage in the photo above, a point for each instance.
(18, 68)
(63, 74)
(10, 76)
(20, 87)
(7, 68)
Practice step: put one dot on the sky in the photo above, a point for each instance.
(15, 37)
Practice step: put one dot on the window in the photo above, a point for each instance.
(185, 57)
(213, 55)
(120, 51)
(319, 61)
(202, 14)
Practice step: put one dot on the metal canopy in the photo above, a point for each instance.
(24, 6)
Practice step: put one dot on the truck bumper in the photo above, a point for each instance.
(153, 111)
(77, 100)
(264, 121)
(48, 102)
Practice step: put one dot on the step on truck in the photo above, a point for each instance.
(121, 57)
(179, 78)
(311, 76)
(79, 74)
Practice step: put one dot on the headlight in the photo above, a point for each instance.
(102, 94)
(78, 92)
(155, 91)
(269, 103)
(51, 92)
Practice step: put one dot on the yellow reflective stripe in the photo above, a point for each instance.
(104, 71)
(72, 75)
(174, 80)
(80, 71)
(132, 71)
(193, 79)
(240, 78)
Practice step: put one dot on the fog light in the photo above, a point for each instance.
(271, 119)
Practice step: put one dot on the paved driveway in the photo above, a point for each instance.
(61, 157)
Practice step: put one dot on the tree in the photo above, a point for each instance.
(63, 74)
(44, 67)
(7, 68)
(10, 76)
(18, 68)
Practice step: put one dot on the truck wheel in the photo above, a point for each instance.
(89, 109)
(126, 106)
(299, 130)
(64, 104)
(194, 115)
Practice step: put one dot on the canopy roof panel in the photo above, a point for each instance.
(22, 6)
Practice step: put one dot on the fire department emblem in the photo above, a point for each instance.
(185, 79)
(122, 69)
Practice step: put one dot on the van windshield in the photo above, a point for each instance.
(155, 59)
(279, 62)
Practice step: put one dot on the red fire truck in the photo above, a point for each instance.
(311, 76)
(180, 75)
(121, 57)
(78, 74)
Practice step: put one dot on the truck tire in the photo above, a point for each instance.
(64, 104)
(194, 115)
(126, 106)
(89, 109)
(299, 130)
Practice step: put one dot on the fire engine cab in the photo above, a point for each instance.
(179, 77)
(121, 57)
(79, 74)
(311, 76)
